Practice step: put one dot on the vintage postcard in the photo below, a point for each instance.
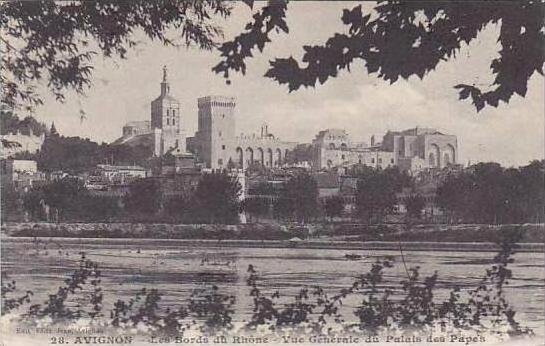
(212, 172)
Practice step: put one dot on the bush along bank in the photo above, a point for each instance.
(530, 233)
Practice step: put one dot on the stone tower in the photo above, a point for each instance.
(165, 116)
(216, 130)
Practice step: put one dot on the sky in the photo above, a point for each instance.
(512, 134)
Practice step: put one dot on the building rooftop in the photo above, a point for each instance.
(120, 167)
(333, 132)
(166, 97)
(138, 123)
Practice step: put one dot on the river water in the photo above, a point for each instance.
(175, 270)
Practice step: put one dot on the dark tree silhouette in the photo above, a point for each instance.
(56, 41)
(65, 195)
(376, 191)
(399, 39)
(256, 207)
(334, 206)
(300, 196)
(415, 204)
(216, 199)
(177, 207)
(489, 193)
(76, 154)
(144, 197)
(10, 123)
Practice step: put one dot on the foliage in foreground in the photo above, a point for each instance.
(382, 306)
(395, 40)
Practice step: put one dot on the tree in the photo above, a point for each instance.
(98, 208)
(10, 205)
(283, 208)
(32, 202)
(531, 182)
(264, 188)
(415, 204)
(144, 197)
(488, 193)
(71, 154)
(454, 196)
(76, 155)
(63, 195)
(177, 207)
(300, 196)
(376, 191)
(334, 206)
(301, 153)
(216, 199)
(256, 207)
(395, 40)
(56, 41)
(10, 123)
(404, 39)
(53, 130)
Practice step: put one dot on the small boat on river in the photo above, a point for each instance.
(353, 257)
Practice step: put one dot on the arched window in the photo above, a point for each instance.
(432, 160)
(173, 112)
(168, 123)
(168, 112)
(331, 145)
(434, 156)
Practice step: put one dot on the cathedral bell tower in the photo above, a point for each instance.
(166, 120)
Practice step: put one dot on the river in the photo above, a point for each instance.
(175, 270)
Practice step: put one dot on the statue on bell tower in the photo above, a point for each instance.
(165, 87)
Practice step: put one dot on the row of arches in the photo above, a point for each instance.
(343, 146)
(441, 158)
(267, 157)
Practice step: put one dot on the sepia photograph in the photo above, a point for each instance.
(214, 172)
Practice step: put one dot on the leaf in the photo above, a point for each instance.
(464, 94)
(250, 3)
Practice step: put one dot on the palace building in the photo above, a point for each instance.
(216, 144)
(411, 150)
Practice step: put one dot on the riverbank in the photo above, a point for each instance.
(303, 244)
(328, 236)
